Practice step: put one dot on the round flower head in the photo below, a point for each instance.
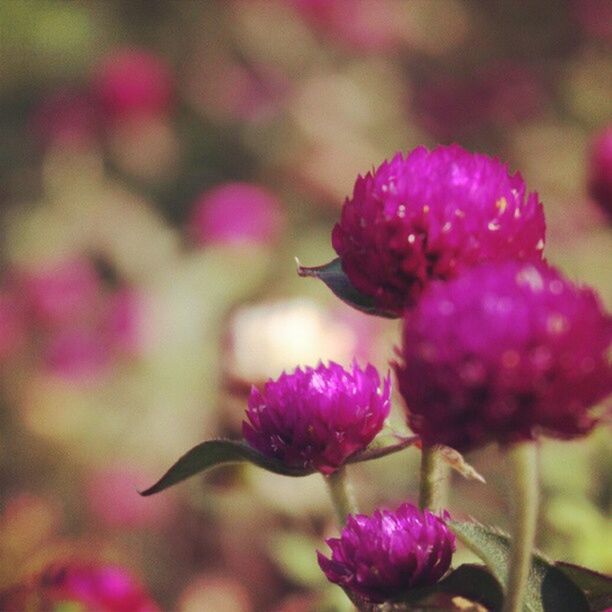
(94, 587)
(430, 215)
(317, 417)
(386, 555)
(237, 213)
(600, 170)
(133, 83)
(502, 353)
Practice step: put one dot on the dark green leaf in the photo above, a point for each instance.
(334, 277)
(548, 588)
(213, 453)
(597, 587)
(474, 582)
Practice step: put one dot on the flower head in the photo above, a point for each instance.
(386, 555)
(600, 170)
(317, 417)
(133, 83)
(94, 587)
(237, 213)
(502, 353)
(429, 216)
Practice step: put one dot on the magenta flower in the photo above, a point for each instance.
(317, 417)
(600, 170)
(384, 556)
(236, 213)
(60, 294)
(12, 325)
(97, 587)
(502, 353)
(429, 216)
(67, 118)
(133, 83)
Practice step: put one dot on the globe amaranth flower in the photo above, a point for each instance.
(237, 214)
(600, 170)
(502, 353)
(76, 585)
(317, 417)
(429, 216)
(383, 556)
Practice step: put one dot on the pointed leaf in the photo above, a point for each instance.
(335, 278)
(597, 587)
(548, 588)
(475, 583)
(213, 453)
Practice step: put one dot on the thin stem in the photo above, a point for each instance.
(341, 494)
(433, 489)
(522, 461)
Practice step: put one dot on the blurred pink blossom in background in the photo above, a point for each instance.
(236, 213)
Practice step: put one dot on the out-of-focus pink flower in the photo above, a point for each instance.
(502, 94)
(97, 587)
(362, 25)
(236, 213)
(384, 556)
(122, 326)
(317, 417)
(65, 293)
(430, 215)
(595, 17)
(112, 499)
(11, 324)
(130, 83)
(502, 353)
(67, 118)
(76, 352)
(600, 170)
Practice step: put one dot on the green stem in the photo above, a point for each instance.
(433, 489)
(523, 464)
(341, 494)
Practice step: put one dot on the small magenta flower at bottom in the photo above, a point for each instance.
(317, 417)
(384, 556)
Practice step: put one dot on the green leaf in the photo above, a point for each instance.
(213, 453)
(474, 582)
(334, 277)
(597, 587)
(548, 588)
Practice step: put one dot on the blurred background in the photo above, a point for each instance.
(161, 165)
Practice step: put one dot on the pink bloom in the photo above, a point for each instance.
(122, 326)
(61, 294)
(430, 215)
(384, 556)
(11, 324)
(66, 118)
(76, 352)
(107, 588)
(236, 213)
(600, 170)
(594, 16)
(317, 417)
(131, 83)
(502, 353)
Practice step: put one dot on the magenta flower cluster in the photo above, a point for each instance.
(383, 556)
(504, 352)
(430, 215)
(317, 417)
